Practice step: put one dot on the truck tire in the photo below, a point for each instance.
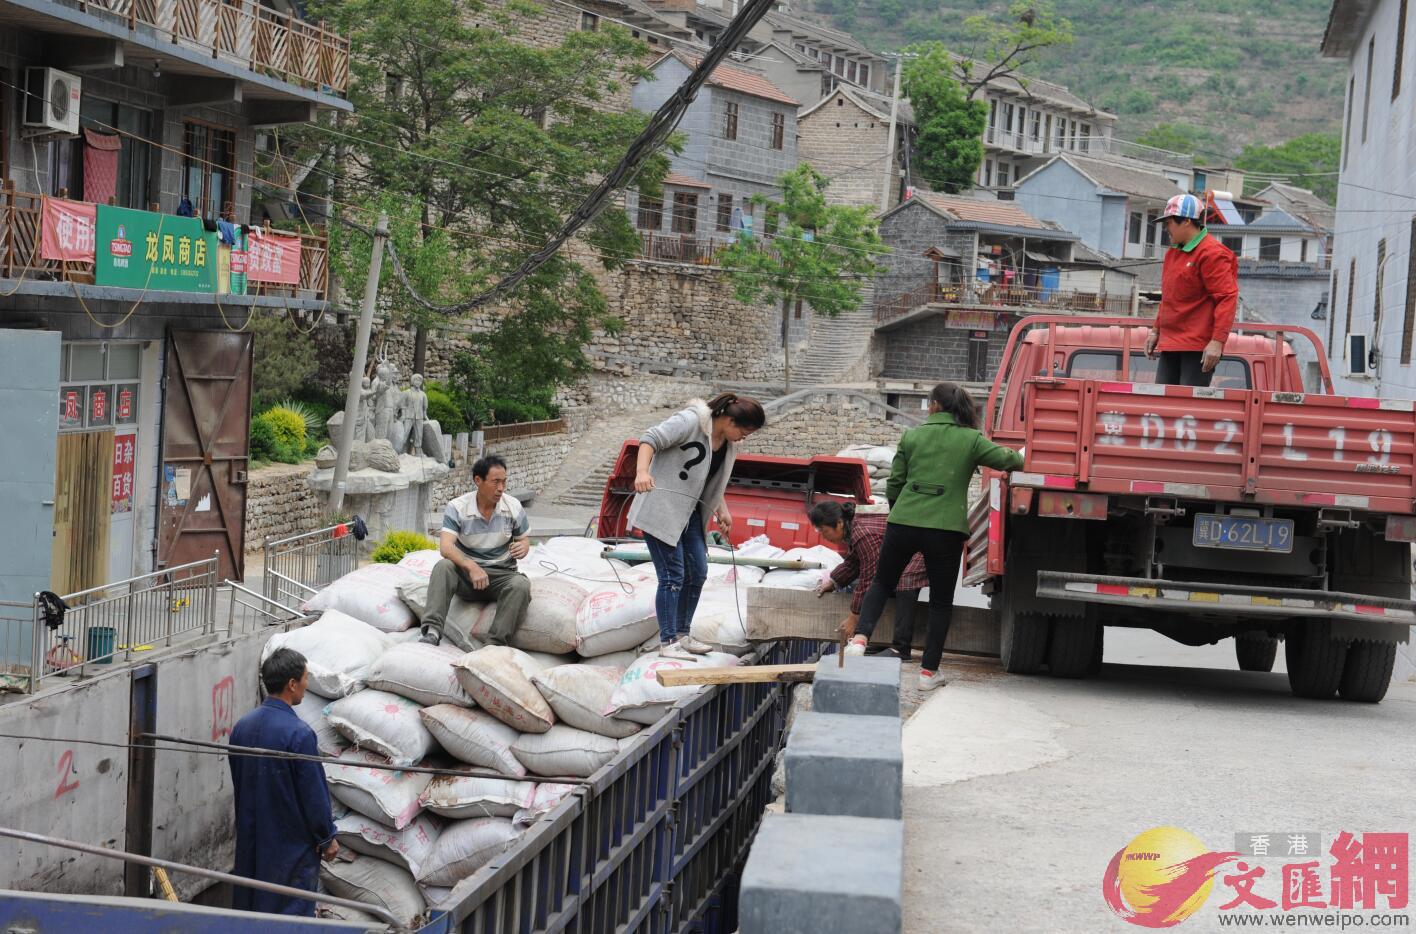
(1315, 659)
(1023, 641)
(1255, 651)
(1367, 672)
(1072, 648)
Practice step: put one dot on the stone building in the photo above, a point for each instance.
(846, 137)
(741, 139)
(126, 401)
(1030, 121)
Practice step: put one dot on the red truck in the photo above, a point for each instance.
(1253, 509)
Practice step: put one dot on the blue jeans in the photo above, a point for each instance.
(682, 569)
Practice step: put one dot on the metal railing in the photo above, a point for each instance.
(989, 295)
(247, 611)
(16, 645)
(294, 568)
(656, 839)
(104, 624)
(522, 430)
(241, 32)
(680, 248)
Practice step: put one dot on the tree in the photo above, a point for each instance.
(285, 359)
(949, 125)
(1001, 47)
(1310, 161)
(812, 251)
(479, 143)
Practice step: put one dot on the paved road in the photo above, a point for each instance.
(1018, 791)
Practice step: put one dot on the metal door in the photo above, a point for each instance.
(206, 426)
(29, 414)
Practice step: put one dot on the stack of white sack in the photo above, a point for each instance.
(809, 578)
(879, 458)
(514, 726)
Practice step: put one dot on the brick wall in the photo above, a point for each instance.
(823, 427)
(836, 139)
(928, 350)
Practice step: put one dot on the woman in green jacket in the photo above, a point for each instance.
(928, 493)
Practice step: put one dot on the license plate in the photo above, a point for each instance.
(1244, 533)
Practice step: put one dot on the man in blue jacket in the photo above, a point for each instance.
(283, 819)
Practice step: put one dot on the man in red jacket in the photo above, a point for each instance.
(1199, 287)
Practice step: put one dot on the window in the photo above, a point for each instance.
(1377, 294)
(1332, 314)
(1047, 133)
(730, 120)
(1270, 249)
(838, 65)
(1406, 333)
(1367, 94)
(1037, 127)
(1072, 141)
(1201, 180)
(992, 113)
(1400, 50)
(1102, 364)
(1235, 244)
(851, 72)
(988, 173)
(133, 128)
(725, 211)
(1347, 128)
(1007, 118)
(1061, 132)
(1302, 251)
(800, 48)
(1351, 287)
(779, 130)
(685, 212)
(797, 310)
(1086, 137)
(865, 75)
(1135, 229)
(393, 87)
(651, 213)
(207, 169)
(1152, 228)
(589, 22)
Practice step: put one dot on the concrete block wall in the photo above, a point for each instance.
(928, 349)
(823, 428)
(908, 232)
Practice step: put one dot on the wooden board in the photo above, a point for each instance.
(779, 613)
(748, 674)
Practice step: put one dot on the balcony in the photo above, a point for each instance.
(20, 259)
(239, 33)
(991, 296)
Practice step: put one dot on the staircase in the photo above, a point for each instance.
(836, 346)
(581, 478)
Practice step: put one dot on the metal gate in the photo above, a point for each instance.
(206, 426)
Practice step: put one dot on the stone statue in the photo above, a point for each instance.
(385, 398)
(413, 412)
(364, 423)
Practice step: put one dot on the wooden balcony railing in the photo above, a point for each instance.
(992, 295)
(243, 33)
(20, 214)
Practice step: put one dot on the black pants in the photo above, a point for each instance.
(905, 603)
(1182, 368)
(942, 552)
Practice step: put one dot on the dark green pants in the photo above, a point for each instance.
(508, 587)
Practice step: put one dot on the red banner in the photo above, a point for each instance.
(68, 228)
(124, 463)
(273, 258)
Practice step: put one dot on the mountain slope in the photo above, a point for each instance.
(1247, 70)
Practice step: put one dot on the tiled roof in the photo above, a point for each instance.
(1302, 203)
(979, 211)
(1028, 86)
(1129, 180)
(876, 105)
(735, 79)
(797, 25)
(683, 181)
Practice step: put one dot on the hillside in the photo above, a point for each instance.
(1247, 69)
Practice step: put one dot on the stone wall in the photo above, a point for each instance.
(531, 463)
(279, 503)
(836, 138)
(908, 232)
(823, 427)
(928, 349)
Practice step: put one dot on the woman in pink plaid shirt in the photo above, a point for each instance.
(861, 536)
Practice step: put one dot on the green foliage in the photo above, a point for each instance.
(1182, 138)
(442, 407)
(950, 125)
(1309, 161)
(284, 359)
(821, 253)
(271, 441)
(289, 426)
(502, 395)
(998, 44)
(309, 418)
(397, 544)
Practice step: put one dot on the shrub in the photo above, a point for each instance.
(289, 426)
(397, 544)
(443, 408)
(311, 419)
(285, 359)
(278, 435)
(263, 442)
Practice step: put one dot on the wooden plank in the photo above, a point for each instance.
(750, 674)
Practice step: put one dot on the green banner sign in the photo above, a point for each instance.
(162, 252)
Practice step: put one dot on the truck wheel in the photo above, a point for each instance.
(1315, 660)
(1072, 648)
(1255, 651)
(1367, 673)
(1023, 642)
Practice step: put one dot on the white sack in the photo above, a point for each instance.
(421, 673)
(548, 796)
(498, 678)
(881, 457)
(327, 739)
(466, 846)
(384, 722)
(459, 796)
(579, 694)
(564, 750)
(407, 848)
(385, 795)
(639, 687)
(421, 562)
(611, 620)
(375, 882)
(549, 625)
(338, 651)
(648, 715)
(719, 619)
(474, 737)
(370, 594)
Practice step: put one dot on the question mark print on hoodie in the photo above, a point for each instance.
(694, 461)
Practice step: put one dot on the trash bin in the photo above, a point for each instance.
(100, 644)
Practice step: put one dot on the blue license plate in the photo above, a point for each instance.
(1244, 533)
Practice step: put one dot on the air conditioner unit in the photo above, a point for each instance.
(51, 103)
(1357, 355)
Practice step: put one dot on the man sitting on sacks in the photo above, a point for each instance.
(483, 536)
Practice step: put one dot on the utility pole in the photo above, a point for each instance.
(356, 369)
(890, 142)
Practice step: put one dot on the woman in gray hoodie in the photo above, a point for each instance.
(681, 475)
